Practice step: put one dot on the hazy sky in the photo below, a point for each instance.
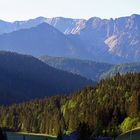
(11, 10)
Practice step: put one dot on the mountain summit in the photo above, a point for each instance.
(105, 40)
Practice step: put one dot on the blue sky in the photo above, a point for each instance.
(12, 10)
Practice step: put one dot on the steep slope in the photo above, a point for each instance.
(41, 40)
(124, 42)
(118, 38)
(89, 69)
(67, 25)
(105, 40)
(113, 41)
(25, 77)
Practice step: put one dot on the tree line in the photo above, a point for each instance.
(105, 108)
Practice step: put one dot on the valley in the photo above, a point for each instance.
(70, 78)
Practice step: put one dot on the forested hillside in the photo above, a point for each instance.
(24, 77)
(90, 69)
(113, 106)
(86, 68)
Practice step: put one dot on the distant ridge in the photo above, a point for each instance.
(38, 41)
(114, 41)
(90, 69)
(86, 68)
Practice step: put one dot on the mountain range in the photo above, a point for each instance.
(79, 49)
(24, 77)
(103, 40)
(79, 65)
(41, 40)
(64, 25)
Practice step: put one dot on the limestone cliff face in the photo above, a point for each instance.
(119, 37)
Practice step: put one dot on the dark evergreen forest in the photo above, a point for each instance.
(109, 108)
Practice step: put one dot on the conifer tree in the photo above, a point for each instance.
(1, 134)
(60, 135)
